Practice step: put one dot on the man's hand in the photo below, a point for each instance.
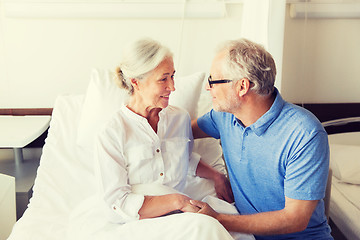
(221, 183)
(223, 188)
(204, 208)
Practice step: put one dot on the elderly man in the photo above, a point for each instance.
(276, 153)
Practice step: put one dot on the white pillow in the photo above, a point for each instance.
(211, 152)
(103, 98)
(205, 101)
(345, 162)
(187, 92)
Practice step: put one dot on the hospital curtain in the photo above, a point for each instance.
(263, 22)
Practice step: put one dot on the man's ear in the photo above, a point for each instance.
(242, 87)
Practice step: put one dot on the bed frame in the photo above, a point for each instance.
(325, 112)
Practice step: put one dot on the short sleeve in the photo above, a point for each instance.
(307, 169)
(208, 124)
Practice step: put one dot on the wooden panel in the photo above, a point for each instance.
(25, 111)
(331, 111)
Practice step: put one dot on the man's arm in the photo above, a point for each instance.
(293, 218)
(221, 183)
(197, 132)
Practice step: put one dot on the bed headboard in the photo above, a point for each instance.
(347, 116)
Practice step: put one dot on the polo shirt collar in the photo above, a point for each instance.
(260, 126)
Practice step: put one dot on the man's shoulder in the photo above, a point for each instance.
(299, 117)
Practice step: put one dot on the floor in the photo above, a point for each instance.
(24, 174)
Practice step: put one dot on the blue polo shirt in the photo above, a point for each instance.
(284, 153)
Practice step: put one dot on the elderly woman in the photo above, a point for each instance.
(149, 142)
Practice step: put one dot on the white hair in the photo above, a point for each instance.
(246, 59)
(138, 60)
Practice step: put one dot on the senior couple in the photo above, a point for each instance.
(276, 153)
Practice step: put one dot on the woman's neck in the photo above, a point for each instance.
(148, 112)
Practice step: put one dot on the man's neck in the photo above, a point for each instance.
(253, 107)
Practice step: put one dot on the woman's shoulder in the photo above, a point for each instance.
(176, 110)
(115, 120)
(177, 114)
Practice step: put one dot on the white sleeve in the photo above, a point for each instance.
(194, 158)
(194, 161)
(113, 179)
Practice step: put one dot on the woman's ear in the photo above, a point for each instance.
(242, 87)
(135, 83)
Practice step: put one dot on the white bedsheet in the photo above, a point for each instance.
(350, 191)
(345, 208)
(345, 198)
(65, 179)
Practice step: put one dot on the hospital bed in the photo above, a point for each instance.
(342, 122)
(345, 190)
(65, 177)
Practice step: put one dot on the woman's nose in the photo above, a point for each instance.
(171, 85)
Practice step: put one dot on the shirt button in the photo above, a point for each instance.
(161, 174)
(157, 150)
(114, 208)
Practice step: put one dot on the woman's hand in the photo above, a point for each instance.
(156, 206)
(182, 203)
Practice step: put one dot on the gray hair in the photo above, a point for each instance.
(138, 60)
(246, 59)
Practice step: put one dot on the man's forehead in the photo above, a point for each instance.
(217, 64)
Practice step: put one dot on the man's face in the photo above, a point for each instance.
(224, 96)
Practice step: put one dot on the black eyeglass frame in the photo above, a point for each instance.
(211, 82)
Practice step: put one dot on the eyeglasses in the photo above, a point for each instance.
(211, 82)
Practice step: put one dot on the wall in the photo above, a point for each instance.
(45, 57)
(41, 58)
(321, 60)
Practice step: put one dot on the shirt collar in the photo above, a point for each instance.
(260, 126)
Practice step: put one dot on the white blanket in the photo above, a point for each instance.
(89, 221)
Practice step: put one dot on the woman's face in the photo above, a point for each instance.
(155, 89)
